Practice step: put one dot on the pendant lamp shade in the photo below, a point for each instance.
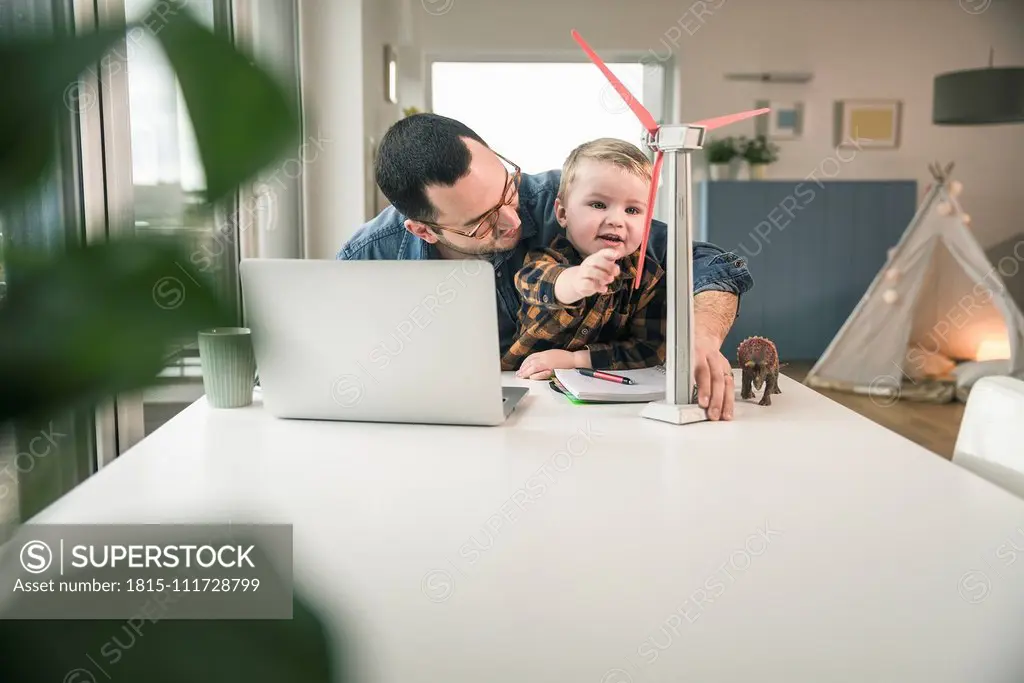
(979, 96)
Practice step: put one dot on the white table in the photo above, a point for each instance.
(798, 543)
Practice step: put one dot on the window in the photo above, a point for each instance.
(535, 113)
(167, 186)
(44, 456)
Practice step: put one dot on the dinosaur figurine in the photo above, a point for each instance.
(759, 361)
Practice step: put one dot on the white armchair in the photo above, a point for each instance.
(990, 442)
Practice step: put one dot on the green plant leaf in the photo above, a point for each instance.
(96, 320)
(153, 648)
(40, 77)
(241, 118)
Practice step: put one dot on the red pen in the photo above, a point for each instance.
(597, 374)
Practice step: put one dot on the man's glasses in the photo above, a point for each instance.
(489, 222)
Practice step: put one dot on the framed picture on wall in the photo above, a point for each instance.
(785, 121)
(868, 124)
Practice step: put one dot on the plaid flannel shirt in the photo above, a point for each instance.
(622, 329)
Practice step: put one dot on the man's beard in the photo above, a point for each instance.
(486, 247)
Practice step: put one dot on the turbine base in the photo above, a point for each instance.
(674, 413)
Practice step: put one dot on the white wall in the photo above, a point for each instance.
(855, 48)
(385, 22)
(332, 71)
(343, 97)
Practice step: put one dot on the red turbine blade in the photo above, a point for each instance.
(641, 113)
(728, 119)
(651, 194)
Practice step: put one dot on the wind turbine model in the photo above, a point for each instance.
(678, 406)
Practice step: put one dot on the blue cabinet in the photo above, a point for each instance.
(813, 248)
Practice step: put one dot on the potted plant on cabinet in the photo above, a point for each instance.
(722, 156)
(758, 153)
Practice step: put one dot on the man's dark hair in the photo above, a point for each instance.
(421, 150)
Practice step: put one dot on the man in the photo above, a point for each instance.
(452, 197)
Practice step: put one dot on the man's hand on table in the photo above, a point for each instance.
(713, 315)
(713, 376)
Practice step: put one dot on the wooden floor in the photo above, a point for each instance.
(931, 425)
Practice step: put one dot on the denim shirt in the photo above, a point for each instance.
(385, 238)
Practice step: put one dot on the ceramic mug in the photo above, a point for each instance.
(229, 366)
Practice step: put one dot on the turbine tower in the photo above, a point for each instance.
(677, 141)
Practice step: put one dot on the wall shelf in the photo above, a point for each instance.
(772, 76)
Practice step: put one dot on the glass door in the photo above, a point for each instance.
(154, 147)
(143, 176)
(167, 185)
(127, 164)
(44, 458)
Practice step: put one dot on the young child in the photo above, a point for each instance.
(579, 308)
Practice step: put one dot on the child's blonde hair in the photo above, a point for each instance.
(608, 150)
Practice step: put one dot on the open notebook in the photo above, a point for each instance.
(650, 386)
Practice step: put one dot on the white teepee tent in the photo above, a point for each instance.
(938, 297)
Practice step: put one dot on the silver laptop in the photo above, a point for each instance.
(377, 341)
